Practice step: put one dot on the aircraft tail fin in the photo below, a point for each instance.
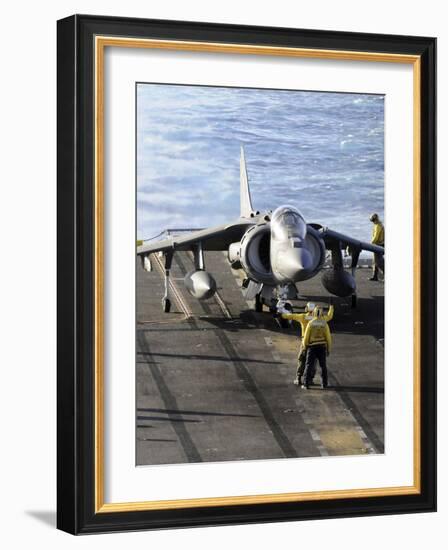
(245, 199)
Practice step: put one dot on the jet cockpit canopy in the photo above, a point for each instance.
(288, 223)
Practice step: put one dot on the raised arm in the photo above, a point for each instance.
(329, 315)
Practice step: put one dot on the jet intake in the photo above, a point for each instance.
(254, 253)
(234, 255)
(200, 284)
(338, 282)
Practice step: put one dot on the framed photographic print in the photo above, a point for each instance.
(231, 347)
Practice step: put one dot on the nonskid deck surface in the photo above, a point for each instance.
(215, 379)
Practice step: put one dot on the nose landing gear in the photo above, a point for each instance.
(277, 309)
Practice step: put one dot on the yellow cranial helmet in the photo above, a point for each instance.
(317, 312)
(310, 306)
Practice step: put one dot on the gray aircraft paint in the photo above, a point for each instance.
(277, 249)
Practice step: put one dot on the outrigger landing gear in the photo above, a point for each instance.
(355, 258)
(166, 302)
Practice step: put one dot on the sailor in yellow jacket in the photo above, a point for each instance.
(317, 343)
(377, 238)
(303, 319)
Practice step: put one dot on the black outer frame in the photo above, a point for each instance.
(75, 295)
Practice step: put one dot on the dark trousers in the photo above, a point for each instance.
(378, 264)
(301, 362)
(318, 352)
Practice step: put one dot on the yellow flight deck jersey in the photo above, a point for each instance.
(317, 333)
(378, 234)
(305, 318)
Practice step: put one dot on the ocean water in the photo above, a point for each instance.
(322, 152)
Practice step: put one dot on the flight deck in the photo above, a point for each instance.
(215, 378)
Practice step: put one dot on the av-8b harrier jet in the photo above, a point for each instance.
(275, 250)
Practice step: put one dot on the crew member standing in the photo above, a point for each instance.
(378, 239)
(303, 319)
(317, 343)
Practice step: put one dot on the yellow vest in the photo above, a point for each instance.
(305, 318)
(317, 333)
(378, 234)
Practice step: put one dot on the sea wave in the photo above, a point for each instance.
(322, 152)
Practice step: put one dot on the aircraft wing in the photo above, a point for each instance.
(215, 238)
(331, 237)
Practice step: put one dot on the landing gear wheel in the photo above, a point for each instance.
(258, 303)
(354, 300)
(284, 323)
(166, 304)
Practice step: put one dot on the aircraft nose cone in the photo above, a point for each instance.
(296, 262)
(303, 259)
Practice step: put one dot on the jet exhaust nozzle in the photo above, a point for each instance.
(200, 284)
